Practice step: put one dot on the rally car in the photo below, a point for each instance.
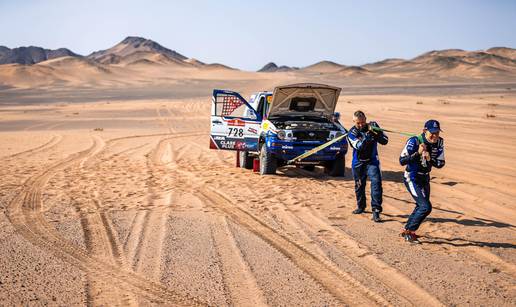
(279, 126)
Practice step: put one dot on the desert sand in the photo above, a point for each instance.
(110, 194)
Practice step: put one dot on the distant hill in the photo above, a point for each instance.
(137, 59)
(215, 66)
(324, 67)
(272, 67)
(353, 71)
(499, 61)
(133, 49)
(269, 67)
(509, 53)
(31, 55)
(195, 62)
(383, 64)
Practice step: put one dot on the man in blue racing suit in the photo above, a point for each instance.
(364, 141)
(421, 153)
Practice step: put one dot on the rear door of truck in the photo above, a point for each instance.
(234, 122)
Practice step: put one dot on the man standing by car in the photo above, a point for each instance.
(419, 155)
(364, 140)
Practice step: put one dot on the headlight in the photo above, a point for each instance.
(281, 135)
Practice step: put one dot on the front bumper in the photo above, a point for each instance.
(288, 150)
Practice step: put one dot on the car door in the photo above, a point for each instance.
(234, 122)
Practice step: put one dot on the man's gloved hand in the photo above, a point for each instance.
(370, 131)
(426, 155)
(423, 152)
(421, 149)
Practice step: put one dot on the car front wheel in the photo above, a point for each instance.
(268, 162)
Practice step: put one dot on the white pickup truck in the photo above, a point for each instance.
(279, 126)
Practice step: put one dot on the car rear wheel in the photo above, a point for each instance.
(337, 167)
(268, 162)
(246, 160)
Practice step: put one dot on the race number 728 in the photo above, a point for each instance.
(236, 132)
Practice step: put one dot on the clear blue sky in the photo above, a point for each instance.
(248, 34)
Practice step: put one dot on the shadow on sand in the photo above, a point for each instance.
(318, 174)
(477, 222)
(460, 242)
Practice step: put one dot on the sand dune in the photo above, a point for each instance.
(137, 61)
(24, 76)
(71, 71)
(120, 202)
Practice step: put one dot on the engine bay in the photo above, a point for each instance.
(304, 125)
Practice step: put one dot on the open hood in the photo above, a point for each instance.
(308, 98)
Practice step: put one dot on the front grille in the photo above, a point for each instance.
(311, 135)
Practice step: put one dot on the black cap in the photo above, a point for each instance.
(433, 126)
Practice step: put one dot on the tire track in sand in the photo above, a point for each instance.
(144, 244)
(101, 242)
(239, 280)
(302, 231)
(148, 246)
(56, 139)
(240, 284)
(406, 289)
(478, 252)
(24, 213)
(359, 255)
(337, 282)
(363, 256)
(164, 120)
(342, 287)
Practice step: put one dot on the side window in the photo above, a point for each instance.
(232, 106)
(266, 105)
(261, 106)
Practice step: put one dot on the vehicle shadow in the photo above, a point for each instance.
(318, 174)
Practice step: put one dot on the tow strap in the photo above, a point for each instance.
(316, 149)
(321, 147)
(419, 137)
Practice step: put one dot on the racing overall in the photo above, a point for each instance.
(366, 164)
(417, 176)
